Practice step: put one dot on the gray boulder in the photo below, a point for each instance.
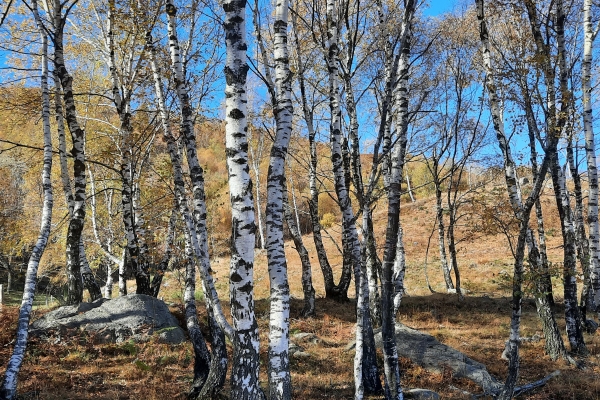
(421, 394)
(135, 317)
(306, 337)
(426, 351)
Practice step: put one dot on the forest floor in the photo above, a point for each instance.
(476, 326)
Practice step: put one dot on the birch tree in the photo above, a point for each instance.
(554, 344)
(9, 385)
(58, 14)
(366, 377)
(590, 33)
(392, 368)
(89, 280)
(556, 119)
(206, 383)
(280, 89)
(244, 375)
(122, 85)
(107, 244)
(309, 292)
(581, 239)
(337, 291)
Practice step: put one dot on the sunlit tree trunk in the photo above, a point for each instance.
(245, 368)
(122, 101)
(590, 152)
(89, 281)
(307, 288)
(543, 276)
(439, 209)
(207, 380)
(452, 248)
(372, 262)
(332, 290)
(107, 247)
(293, 192)
(256, 158)
(401, 121)
(9, 385)
(409, 188)
(75, 283)
(201, 354)
(572, 315)
(390, 354)
(581, 240)
(353, 168)
(123, 275)
(556, 125)
(366, 376)
(522, 212)
(164, 262)
(280, 89)
(200, 238)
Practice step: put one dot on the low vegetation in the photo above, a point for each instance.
(478, 326)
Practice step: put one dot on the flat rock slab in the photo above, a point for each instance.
(426, 351)
(134, 316)
(421, 394)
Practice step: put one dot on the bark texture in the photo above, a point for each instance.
(390, 353)
(280, 386)
(590, 152)
(366, 375)
(244, 374)
(75, 281)
(9, 385)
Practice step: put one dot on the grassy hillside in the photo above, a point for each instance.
(478, 326)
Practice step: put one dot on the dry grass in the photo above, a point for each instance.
(477, 326)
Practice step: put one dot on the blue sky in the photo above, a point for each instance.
(437, 7)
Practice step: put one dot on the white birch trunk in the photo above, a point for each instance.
(352, 243)
(331, 290)
(399, 270)
(556, 122)
(200, 238)
(522, 213)
(205, 380)
(441, 237)
(256, 157)
(89, 280)
(410, 192)
(76, 222)
(294, 203)
(280, 387)
(245, 368)
(201, 354)
(336, 159)
(121, 99)
(392, 266)
(307, 287)
(590, 152)
(106, 248)
(399, 150)
(9, 385)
